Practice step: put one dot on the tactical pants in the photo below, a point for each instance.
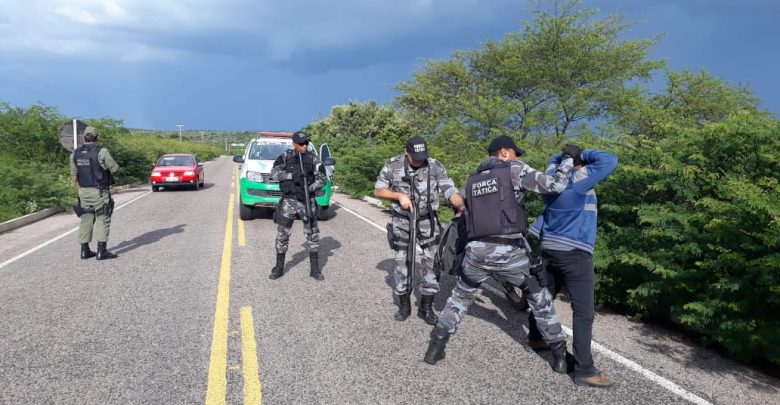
(288, 210)
(92, 199)
(573, 269)
(477, 269)
(429, 284)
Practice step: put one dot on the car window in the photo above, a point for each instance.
(263, 151)
(176, 161)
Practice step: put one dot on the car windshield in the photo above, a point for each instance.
(176, 161)
(261, 151)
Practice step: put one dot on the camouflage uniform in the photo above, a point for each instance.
(427, 203)
(508, 262)
(290, 208)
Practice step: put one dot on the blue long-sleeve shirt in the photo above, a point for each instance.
(569, 218)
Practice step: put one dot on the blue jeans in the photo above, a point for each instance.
(574, 270)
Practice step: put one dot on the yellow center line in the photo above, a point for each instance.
(241, 232)
(217, 383)
(253, 391)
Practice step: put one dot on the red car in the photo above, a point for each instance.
(177, 170)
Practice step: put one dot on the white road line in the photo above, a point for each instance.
(630, 364)
(682, 392)
(50, 241)
(370, 222)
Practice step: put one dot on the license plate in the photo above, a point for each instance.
(170, 179)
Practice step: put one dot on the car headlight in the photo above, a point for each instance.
(254, 176)
(189, 173)
(156, 174)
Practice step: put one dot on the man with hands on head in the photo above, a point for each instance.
(567, 231)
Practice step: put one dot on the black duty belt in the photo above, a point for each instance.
(420, 217)
(502, 241)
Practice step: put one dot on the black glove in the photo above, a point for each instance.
(573, 151)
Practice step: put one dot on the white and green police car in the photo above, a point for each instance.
(257, 190)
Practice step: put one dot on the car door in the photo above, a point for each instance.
(325, 156)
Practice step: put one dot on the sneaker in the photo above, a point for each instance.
(596, 380)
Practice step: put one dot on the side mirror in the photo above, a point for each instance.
(153, 165)
(329, 162)
(200, 164)
(238, 158)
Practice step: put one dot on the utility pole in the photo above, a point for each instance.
(179, 125)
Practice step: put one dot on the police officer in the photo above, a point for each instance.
(496, 227)
(92, 167)
(567, 230)
(292, 180)
(429, 177)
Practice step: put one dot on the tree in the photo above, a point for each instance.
(689, 100)
(563, 69)
(361, 136)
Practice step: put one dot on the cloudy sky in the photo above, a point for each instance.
(246, 64)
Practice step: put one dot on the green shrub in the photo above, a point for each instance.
(691, 230)
(28, 187)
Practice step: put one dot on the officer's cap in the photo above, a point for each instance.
(91, 131)
(503, 141)
(300, 137)
(417, 148)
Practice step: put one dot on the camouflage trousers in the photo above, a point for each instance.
(92, 199)
(504, 263)
(429, 284)
(284, 217)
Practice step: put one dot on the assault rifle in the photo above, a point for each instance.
(306, 193)
(411, 249)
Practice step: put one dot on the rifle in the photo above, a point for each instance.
(411, 250)
(306, 193)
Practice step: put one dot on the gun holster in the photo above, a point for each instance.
(79, 210)
(390, 236)
(538, 269)
(108, 209)
(77, 207)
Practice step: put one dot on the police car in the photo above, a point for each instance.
(257, 190)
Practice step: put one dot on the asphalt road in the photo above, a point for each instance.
(187, 314)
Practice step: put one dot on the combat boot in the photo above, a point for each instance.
(559, 356)
(426, 310)
(404, 307)
(439, 338)
(278, 270)
(315, 266)
(103, 253)
(538, 344)
(86, 252)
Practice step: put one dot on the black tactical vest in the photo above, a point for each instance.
(492, 209)
(292, 165)
(89, 172)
